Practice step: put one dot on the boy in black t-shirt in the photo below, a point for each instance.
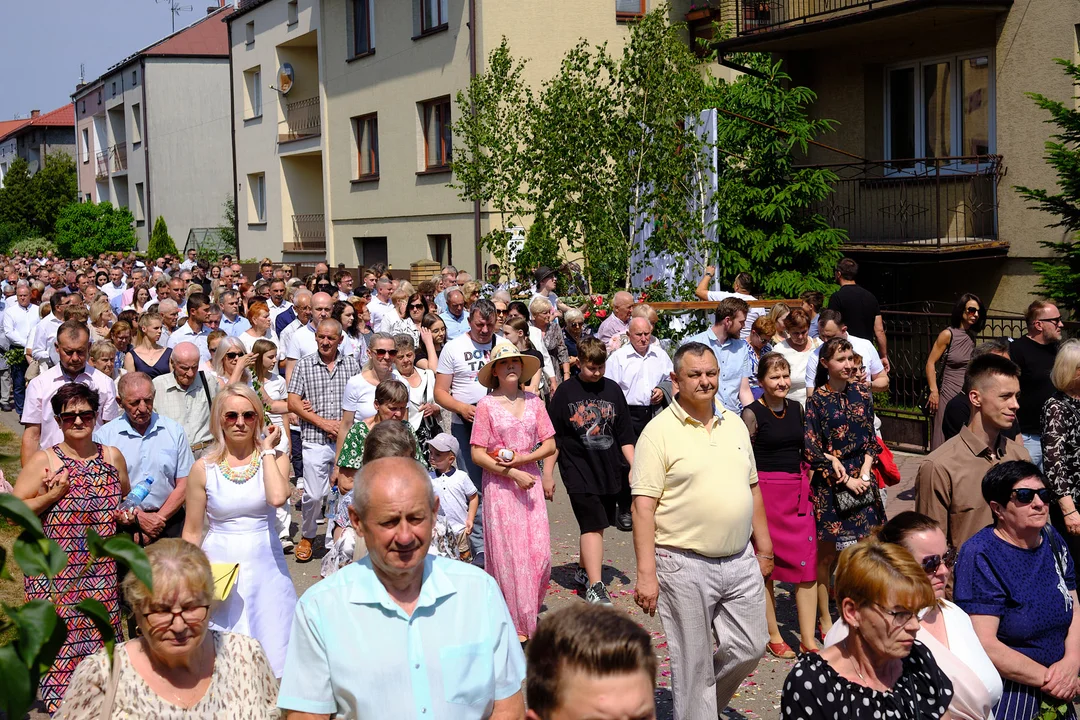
(595, 444)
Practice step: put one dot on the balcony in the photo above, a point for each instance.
(928, 204)
(118, 157)
(309, 233)
(102, 171)
(781, 25)
(302, 120)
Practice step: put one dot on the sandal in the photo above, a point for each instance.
(804, 650)
(302, 553)
(780, 650)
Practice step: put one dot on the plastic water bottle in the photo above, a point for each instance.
(137, 495)
(332, 503)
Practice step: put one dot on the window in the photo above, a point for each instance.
(442, 250)
(253, 93)
(941, 108)
(249, 33)
(88, 198)
(294, 12)
(433, 14)
(371, 250)
(437, 138)
(139, 213)
(367, 146)
(98, 97)
(136, 124)
(82, 107)
(86, 145)
(134, 78)
(114, 88)
(363, 26)
(256, 198)
(625, 9)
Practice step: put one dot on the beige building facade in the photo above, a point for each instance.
(935, 131)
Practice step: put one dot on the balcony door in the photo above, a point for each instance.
(939, 112)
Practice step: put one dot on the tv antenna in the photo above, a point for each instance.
(175, 8)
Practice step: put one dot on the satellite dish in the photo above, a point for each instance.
(285, 78)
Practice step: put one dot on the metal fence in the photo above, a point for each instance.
(302, 118)
(118, 153)
(753, 16)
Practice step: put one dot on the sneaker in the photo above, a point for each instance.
(597, 595)
(582, 578)
(286, 545)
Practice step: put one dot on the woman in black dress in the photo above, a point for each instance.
(146, 355)
(840, 448)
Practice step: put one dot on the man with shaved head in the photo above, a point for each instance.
(618, 322)
(382, 310)
(302, 342)
(185, 395)
(154, 446)
(398, 590)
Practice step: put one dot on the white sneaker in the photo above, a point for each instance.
(286, 545)
(597, 595)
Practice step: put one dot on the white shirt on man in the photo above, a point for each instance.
(381, 312)
(302, 343)
(865, 348)
(19, 321)
(462, 358)
(638, 374)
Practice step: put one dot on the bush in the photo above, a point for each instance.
(30, 246)
(541, 249)
(11, 233)
(161, 243)
(86, 229)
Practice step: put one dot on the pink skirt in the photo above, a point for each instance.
(790, 513)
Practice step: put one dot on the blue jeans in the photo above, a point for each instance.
(462, 432)
(18, 383)
(1033, 444)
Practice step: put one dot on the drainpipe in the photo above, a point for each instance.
(145, 127)
(232, 131)
(472, 110)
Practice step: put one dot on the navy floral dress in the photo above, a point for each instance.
(840, 424)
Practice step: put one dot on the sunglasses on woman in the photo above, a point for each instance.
(381, 352)
(1024, 496)
(232, 416)
(234, 355)
(931, 563)
(416, 306)
(69, 418)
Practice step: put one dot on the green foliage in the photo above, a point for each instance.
(39, 630)
(10, 234)
(88, 229)
(30, 246)
(227, 231)
(17, 197)
(1060, 277)
(540, 248)
(161, 243)
(55, 187)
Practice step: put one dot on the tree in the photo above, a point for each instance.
(161, 243)
(227, 231)
(88, 229)
(54, 187)
(17, 198)
(1060, 277)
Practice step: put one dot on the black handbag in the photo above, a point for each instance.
(848, 503)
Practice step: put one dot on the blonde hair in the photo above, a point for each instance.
(175, 565)
(217, 451)
(144, 322)
(98, 308)
(1067, 361)
(538, 305)
(218, 363)
(870, 571)
(102, 349)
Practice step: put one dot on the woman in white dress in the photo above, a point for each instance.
(235, 488)
(944, 628)
(358, 400)
(421, 384)
(797, 349)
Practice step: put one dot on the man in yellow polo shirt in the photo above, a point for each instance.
(696, 507)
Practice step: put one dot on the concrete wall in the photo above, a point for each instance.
(187, 132)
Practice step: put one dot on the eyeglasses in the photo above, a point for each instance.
(1055, 320)
(383, 351)
(69, 418)
(190, 615)
(416, 306)
(971, 310)
(899, 618)
(1025, 496)
(232, 416)
(233, 355)
(931, 563)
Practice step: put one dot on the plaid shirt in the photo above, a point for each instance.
(323, 388)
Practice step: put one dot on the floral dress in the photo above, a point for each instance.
(352, 456)
(93, 496)
(841, 425)
(517, 545)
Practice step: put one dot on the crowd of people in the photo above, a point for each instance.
(417, 430)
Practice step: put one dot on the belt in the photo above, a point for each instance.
(202, 445)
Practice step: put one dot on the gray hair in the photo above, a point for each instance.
(22, 283)
(484, 308)
(372, 339)
(302, 292)
(331, 322)
(539, 305)
(571, 315)
(167, 305)
(362, 485)
(383, 282)
(501, 296)
(133, 378)
(228, 343)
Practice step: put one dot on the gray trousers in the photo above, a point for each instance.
(702, 599)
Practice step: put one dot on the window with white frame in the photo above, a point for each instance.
(256, 198)
(253, 93)
(86, 145)
(136, 123)
(293, 12)
(139, 200)
(367, 146)
(940, 108)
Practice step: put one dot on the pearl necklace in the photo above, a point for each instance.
(244, 475)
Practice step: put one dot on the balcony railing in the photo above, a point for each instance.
(102, 165)
(922, 202)
(302, 119)
(752, 16)
(118, 156)
(309, 233)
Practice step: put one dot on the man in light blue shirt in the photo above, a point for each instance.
(154, 446)
(455, 317)
(732, 353)
(402, 634)
(232, 322)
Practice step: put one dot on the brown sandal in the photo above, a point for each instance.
(302, 553)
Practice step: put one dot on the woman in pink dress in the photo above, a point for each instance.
(517, 546)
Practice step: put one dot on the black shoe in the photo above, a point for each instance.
(625, 522)
(7, 408)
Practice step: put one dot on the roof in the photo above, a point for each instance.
(206, 37)
(63, 116)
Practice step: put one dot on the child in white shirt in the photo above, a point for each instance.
(458, 499)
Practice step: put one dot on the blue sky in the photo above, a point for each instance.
(45, 40)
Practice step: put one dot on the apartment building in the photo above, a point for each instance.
(153, 131)
(35, 138)
(366, 121)
(934, 131)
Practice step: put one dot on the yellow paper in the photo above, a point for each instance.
(225, 575)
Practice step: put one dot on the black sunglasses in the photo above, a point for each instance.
(1055, 320)
(383, 351)
(931, 563)
(233, 355)
(416, 306)
(971, 310)
(68, 418)
(1025, 496)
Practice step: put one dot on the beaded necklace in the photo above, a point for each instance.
(244, 475)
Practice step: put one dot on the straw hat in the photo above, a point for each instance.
(505, 351)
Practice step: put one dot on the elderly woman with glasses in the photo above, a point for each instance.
(574, 333)
(1016, 580)
(235, 490)
(179, 667)
(880, 670)
(955, 344)
(74, 486)
(944, 628)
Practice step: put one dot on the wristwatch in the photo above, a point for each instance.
(865, 478)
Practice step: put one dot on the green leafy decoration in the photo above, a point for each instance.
(19, 513)
(39, 556)
(99, 615)
(17, 688)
